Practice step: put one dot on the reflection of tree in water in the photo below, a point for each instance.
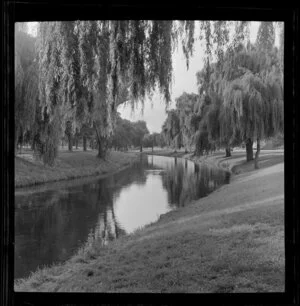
(51, 225)
(106, 227)
(173, 180)
(184, 186)
(56, 222)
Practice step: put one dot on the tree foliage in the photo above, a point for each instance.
(171, 129)
(86, 65)
(85, 69)
(240, 95)
(26, 81)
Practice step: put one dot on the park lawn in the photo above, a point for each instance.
(230, 241)
(69, 165)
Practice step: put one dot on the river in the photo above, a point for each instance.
(54, 220)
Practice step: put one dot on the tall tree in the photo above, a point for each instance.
(85, 65)
(26, 80)
(171, 129)
(254, 100)
(185, 105)
(140, 129)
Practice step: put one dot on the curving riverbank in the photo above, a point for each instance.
(69, 165)
(230, 241)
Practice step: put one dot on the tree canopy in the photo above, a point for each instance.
(240, 98)
(26, 81)
(80, 71)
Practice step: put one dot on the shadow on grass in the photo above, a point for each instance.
(263, 162)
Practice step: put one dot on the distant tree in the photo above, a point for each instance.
(156, 137)
(171, 129)
(140, 129)
(151, 140)
(123, 135)
(87, 133)
(147, 141)
(185, 105)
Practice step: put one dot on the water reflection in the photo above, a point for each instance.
(186, 181)
(51, 225)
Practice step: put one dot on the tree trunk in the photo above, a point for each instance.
(228, 151)
(76, 142)
(141, 148)
(100, 150)
(102, 145)
(249, 149)
(70, 143)
(84, 143)
(257, 154)
(33, 145)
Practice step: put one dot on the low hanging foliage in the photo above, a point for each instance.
(171, 129)
(85, 67)
(25, 81)
(254, 105)
(185, 105)
(240, 96)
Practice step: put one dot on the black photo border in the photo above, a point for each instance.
(33, 10)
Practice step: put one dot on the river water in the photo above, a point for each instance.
(54, 220)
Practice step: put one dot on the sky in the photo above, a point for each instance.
(154, 112)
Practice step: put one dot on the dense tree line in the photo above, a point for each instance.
(74, 75)
(128, 134)
(240, 100)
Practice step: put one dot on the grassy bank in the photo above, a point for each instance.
(230, 241)
(69, 165)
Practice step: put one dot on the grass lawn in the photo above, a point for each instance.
(68, 165)
(230, 241)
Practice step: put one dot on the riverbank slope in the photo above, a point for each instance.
(230, 241)
(69, 165)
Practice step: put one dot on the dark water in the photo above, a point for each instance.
(53, 221)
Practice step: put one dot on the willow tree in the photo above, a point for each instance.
(139, 131)
(171, 129)
(26, 80)
(185, 105)
(85, 66)
(254, 101)
(214, 129)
